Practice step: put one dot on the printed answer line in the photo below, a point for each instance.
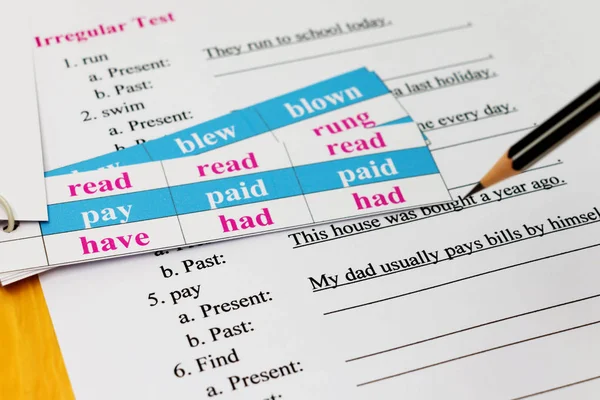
(437, 128)
(351, 49)
(573, 328)
(449, 259)
(466, 278)
(343, 33)
(558, 162)
(419, 219)
(484, 138)
(557, 388)
(424, 71)
(474, 327)
(444, 87)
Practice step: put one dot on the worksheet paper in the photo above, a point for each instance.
(493, 297)
(21, 162)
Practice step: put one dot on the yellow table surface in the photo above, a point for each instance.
(31, 365)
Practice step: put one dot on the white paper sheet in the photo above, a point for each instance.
(494, 297)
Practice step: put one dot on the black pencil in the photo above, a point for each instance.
(544, 138)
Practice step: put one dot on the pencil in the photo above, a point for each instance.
(544, 138)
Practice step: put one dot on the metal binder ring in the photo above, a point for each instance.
(9, 212)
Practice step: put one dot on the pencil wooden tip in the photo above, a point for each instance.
(476, 189)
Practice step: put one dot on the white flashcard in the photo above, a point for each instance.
(21, 162)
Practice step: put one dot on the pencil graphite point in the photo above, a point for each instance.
(476, 189)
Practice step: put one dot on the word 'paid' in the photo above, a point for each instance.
(347, 176)
(235, 194)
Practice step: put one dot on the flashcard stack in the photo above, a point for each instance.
(339, 149)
